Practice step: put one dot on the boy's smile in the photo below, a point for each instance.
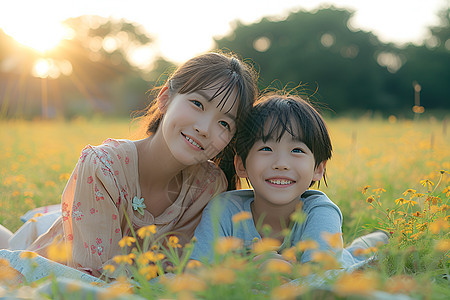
(279, 171)
(280, 182)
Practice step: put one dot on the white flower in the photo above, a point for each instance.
(138, 204)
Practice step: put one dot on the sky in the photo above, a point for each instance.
(184, 28)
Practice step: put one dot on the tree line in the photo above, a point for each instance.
(315, 53)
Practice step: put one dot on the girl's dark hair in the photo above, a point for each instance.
(228, 73)
(273, 115)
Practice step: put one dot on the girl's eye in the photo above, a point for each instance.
(225, 124)
(265, 148)
(298, 150)
(197, 103)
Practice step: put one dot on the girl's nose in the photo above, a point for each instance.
(202, 129)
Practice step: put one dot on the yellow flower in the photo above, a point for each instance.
(58, 251)
(356, 283)
(220, 275)
(8, 273)
(327, 260)
(409, 191)
(50, 183)
(146, 231)
(185, 282)
(379, 190)
(437, 225)
(400, 201)
(415, 236)
(290, 254)
(278, 266)
(192, 264)
(64, 176)
(433, 200)
(364, 190)
(227, 244)
(124, 259)
(73, 286)
(153, 256)
(367, 251)
(443, 245)
(235, 263)
(298, 216)
(417, 214)
(119, 287)
(427, 182)
(127, 240)
(149, 272)
(333, 239)
(241, 216)
(307, 245)
(109, 268)
(286, 292)
(410, 202)
(370, 199)
(266, 245)
(28, 255)
(28, 194)
(446, 191)
(174, 242)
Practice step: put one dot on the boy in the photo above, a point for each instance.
(282, 150)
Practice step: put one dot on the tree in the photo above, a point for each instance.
(343, 68)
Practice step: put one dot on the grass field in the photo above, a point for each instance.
(375, 163)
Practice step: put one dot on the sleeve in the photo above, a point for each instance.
(90, 213)
(322, 219)
(215, 223)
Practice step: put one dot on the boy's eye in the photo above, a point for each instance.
(265, 148)
(298, 150)
(197, 103)
(225, 124)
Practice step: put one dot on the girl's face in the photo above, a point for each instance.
(280, 171)
(194, 128)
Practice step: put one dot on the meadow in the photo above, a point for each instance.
(384, 174)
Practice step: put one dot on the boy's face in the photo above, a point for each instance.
(280, 171)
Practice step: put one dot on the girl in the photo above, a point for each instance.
(165, 179)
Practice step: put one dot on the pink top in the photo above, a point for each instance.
(100, 191)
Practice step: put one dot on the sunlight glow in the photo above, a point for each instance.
(48, 67)
(40, 36)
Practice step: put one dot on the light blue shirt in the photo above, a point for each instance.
(322, 215)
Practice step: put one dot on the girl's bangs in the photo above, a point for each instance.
(225, 86)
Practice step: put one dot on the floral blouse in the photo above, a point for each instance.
(101, 190)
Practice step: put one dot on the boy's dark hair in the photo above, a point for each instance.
(273, 115)
(227, 72)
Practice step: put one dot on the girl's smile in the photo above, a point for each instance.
(196, 145)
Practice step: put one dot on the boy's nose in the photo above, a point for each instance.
(280, 164)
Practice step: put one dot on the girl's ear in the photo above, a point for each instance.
(239, 166)
(319, 171)
(163, 99)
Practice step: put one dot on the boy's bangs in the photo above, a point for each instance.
(275, 126)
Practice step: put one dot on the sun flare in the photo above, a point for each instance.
(40, 36)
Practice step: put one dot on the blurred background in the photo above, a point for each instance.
(63, 59)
